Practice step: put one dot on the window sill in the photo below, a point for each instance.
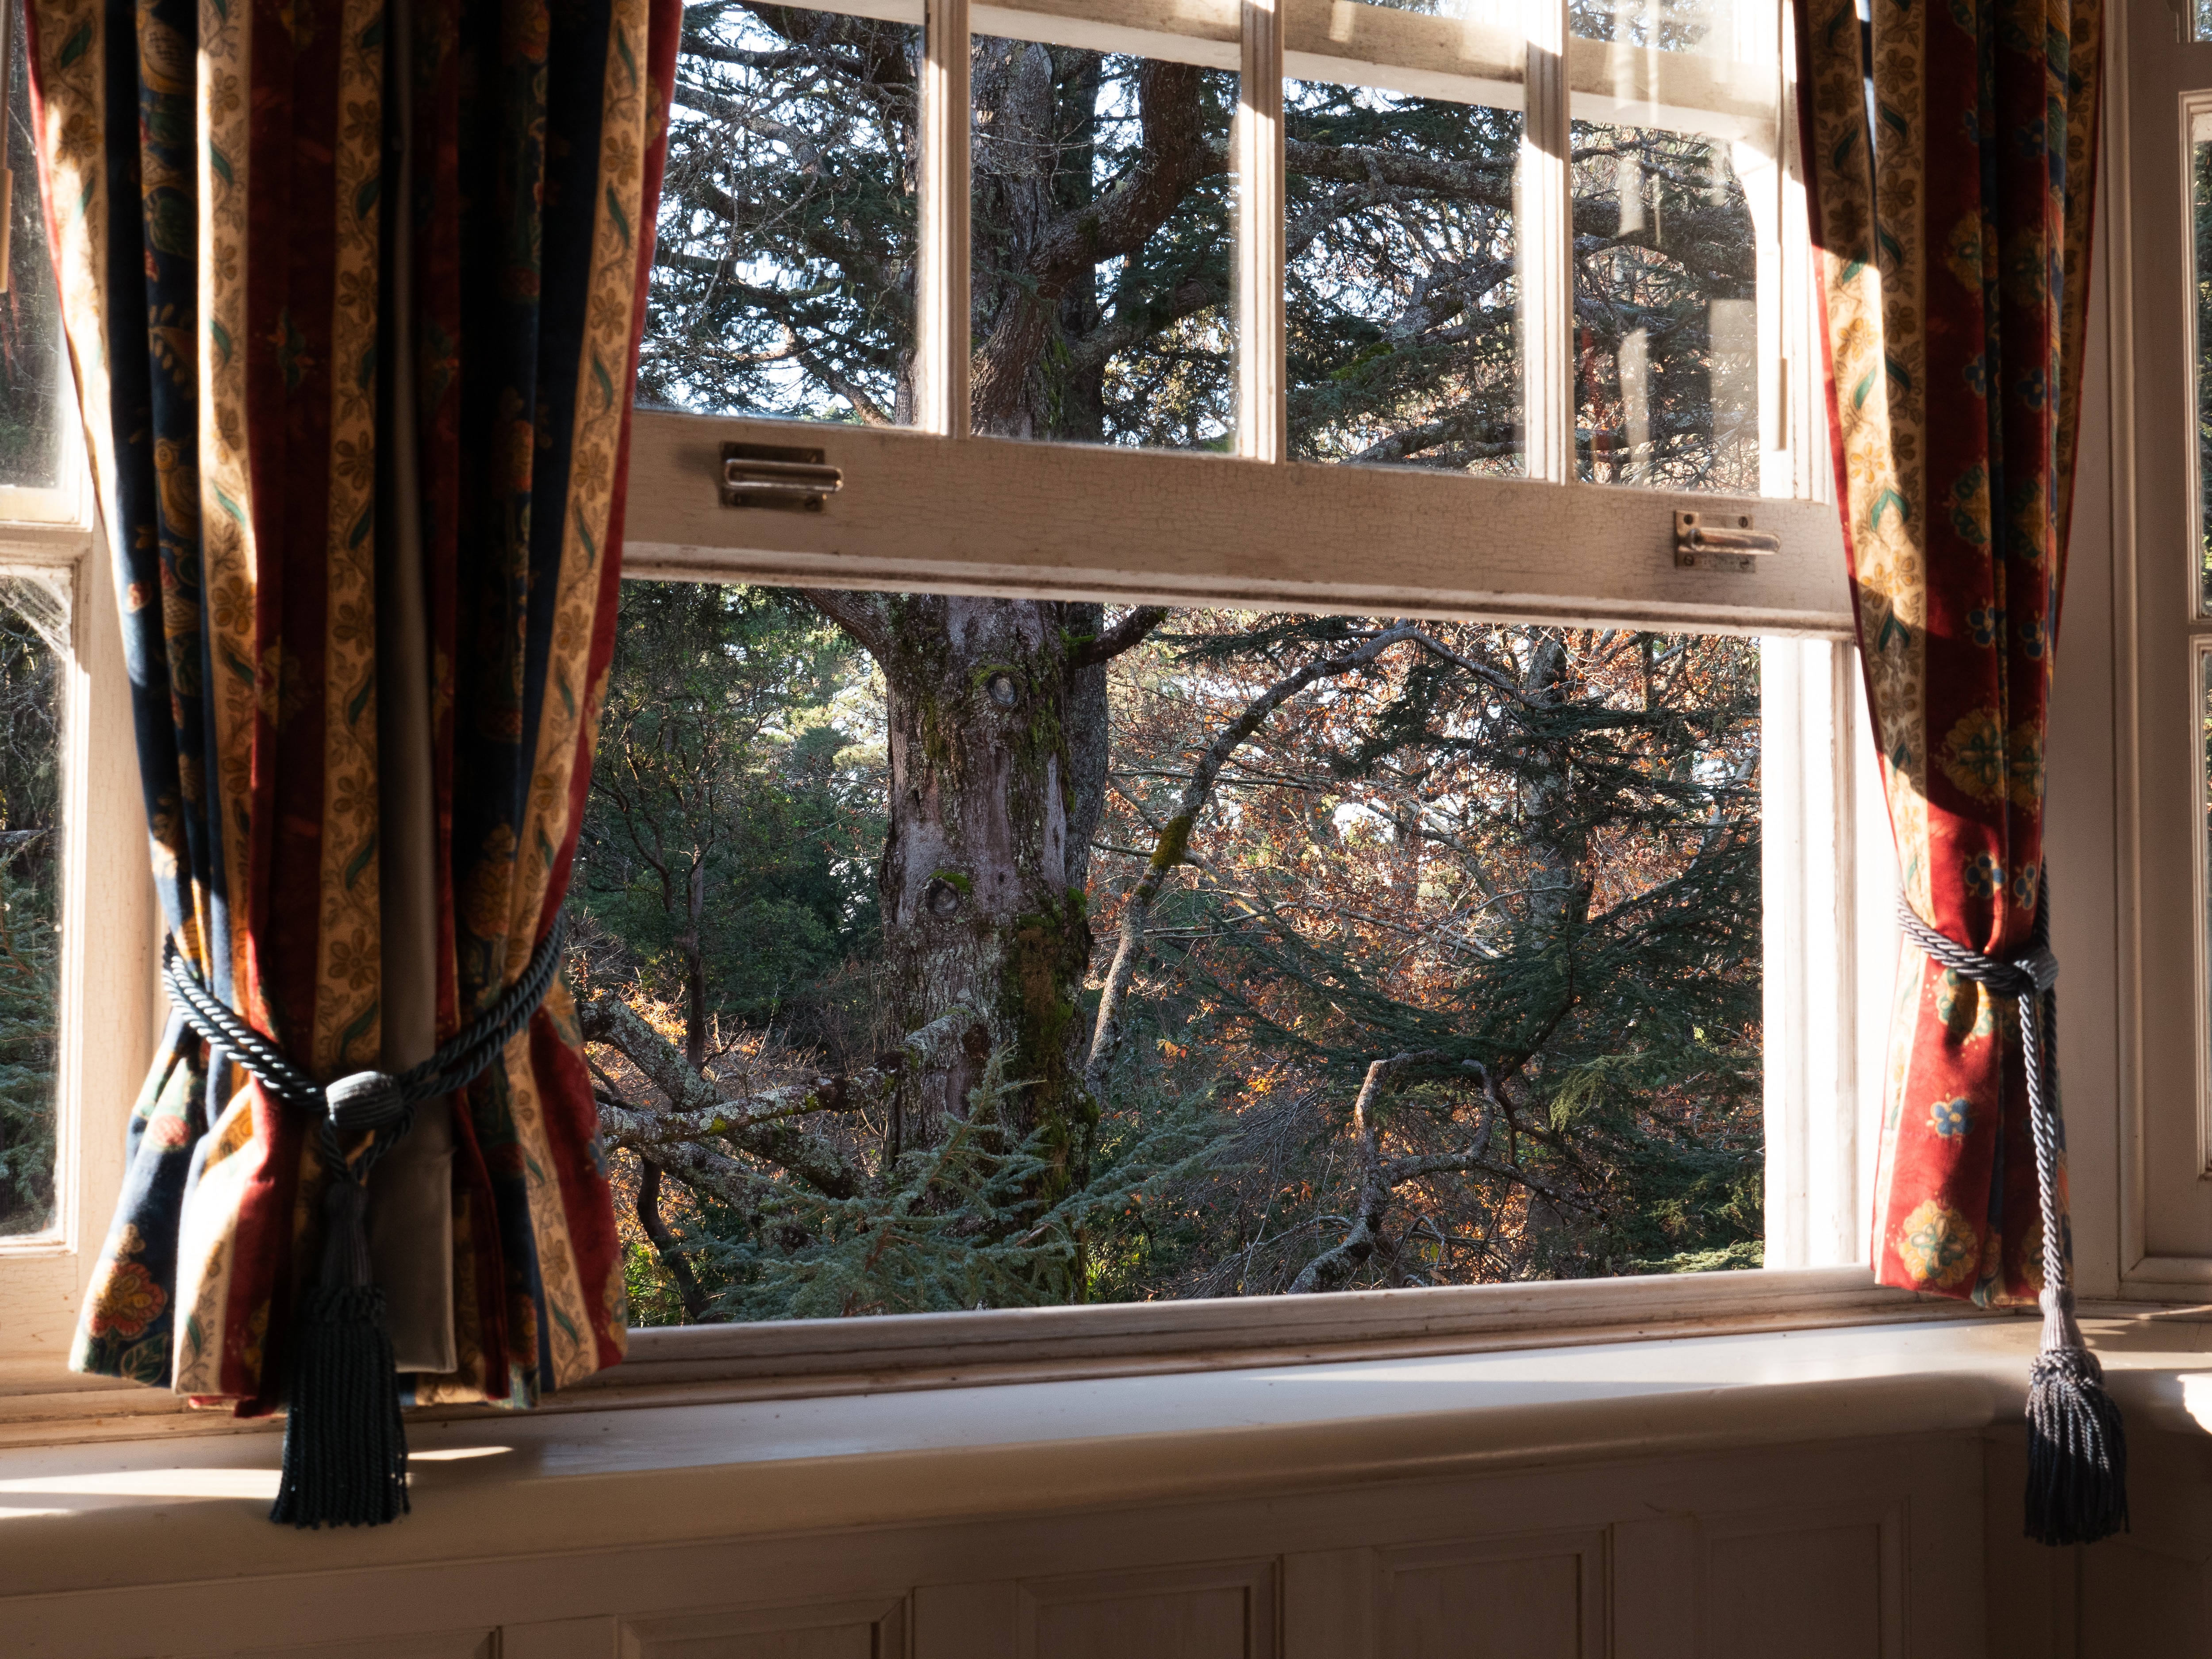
(41, 1402)
(87, 1516)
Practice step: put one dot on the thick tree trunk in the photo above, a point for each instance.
(992, 751)
(1558, 844)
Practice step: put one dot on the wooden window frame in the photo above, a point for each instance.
(932, 507)
(110, 1007)
(2142, 296)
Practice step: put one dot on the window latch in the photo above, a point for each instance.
(776, 475)
(1724, 541)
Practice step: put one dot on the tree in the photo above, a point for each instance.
(33, 630)
(785, 285)
(1507, 877)
(722, 867)
(1518, 869)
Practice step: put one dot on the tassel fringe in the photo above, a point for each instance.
(2078, 1452)
(345, 1449)
(345, 1452)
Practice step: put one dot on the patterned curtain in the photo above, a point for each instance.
(1950, 155)
(353, 292)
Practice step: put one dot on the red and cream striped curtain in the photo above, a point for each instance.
(353, 291)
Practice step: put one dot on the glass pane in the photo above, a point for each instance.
(1666, 313)
(2200, 176)
(783, 277)
(33, 636)
(2205, 776)
(827, 828)
(1101, 273)
(32, 411)
(1711, 28)
(1497, 14)
(1402, 311)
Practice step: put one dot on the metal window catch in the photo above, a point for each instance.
(1724, 541)
(776, 475)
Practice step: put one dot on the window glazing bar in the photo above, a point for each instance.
(941, 320)
(1544, 224)
(1263, 403)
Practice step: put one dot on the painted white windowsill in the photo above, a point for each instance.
(40, 1401)
(85, 1517)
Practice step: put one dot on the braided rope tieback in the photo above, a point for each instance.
(2077, 1451)
(345, 1449)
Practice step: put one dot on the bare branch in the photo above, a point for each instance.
(1332, 1267)
(1175, 838)
(608, 1020)
(696, 1308)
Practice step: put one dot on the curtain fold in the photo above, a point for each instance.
(1950, 159)
(250, 220)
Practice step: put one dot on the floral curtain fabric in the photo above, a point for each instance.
(1949, 152)
(253, 283)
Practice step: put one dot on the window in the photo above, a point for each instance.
(1432, 314)
(75, 915)
(1307, 324)
(2159, 299)
(1217, 953)
(34, 654)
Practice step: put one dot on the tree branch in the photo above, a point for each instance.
(688, 1290)
(862, 616)
(1174, 839)
(1125, 634)
(1332, 1267)
(697, 1101)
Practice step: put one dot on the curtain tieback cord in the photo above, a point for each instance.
(2077, 1454)
(345, 1452)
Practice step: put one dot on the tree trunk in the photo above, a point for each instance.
(992, 753)
(1558, 882)
(693, 943)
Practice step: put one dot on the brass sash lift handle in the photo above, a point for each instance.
(776, 475)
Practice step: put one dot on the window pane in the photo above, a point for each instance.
(32, 410)
(1101, 265)
(1666, 313)
(2200, 176)
(2205, 780)
(823, 829)
(1403, 311)
(1711, 28)
(34, 634)
(1496, 14)
(783, 278)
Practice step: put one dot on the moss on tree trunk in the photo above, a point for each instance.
(981, 876)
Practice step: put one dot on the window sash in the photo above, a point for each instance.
(933, 506)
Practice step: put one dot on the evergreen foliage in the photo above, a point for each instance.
(31, 620)
(735, 807)
(1524, 860)
(1447, 972)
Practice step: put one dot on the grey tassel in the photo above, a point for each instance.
(345, 1449)
(2077, 1451)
